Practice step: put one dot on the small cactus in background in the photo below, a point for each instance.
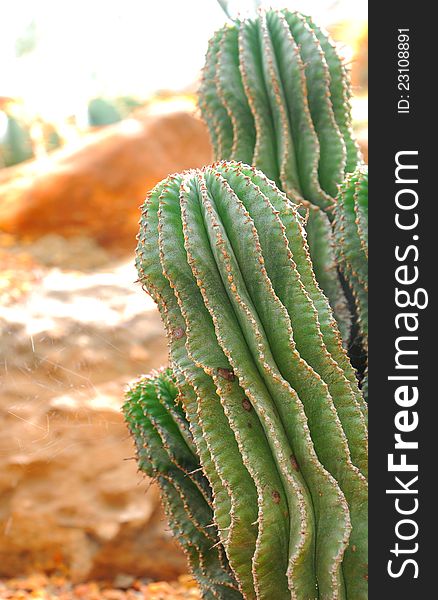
(275, 94)
(102, 112)
(166, 453)
(351, 242)
(15, 143)
(276, 416)
(52, 139)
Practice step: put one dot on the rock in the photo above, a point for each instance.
(71, 499)
(95, 190)
(139, 550)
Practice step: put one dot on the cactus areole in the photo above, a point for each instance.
(276, 416)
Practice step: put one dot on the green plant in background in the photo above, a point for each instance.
(351, 242)
(276, 416)
(166, 453)
(102, 112)
(16, 143)
(52, 139)
(275, 94)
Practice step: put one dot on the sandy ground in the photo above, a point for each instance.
(75, 329)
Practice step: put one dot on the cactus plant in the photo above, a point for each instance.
(351, 236)
(278, 421)
(166, 452)
(275, 94)
(102, 112)
(16, 143)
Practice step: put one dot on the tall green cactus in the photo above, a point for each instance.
(351, 241)
(275, 94)
(166, 452)
(277, 419)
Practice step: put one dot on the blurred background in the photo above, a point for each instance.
(97, 104)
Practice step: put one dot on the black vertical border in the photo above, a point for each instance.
(389, 133)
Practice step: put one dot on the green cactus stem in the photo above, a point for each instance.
(166, 452)
(272, 400)
(276, 94)
(351, 242)
(320, 241)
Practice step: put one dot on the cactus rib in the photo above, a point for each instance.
(350, 228)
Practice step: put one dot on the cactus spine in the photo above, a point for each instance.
(276, 94)
(166, 452)
(351, 236)
(272, 400)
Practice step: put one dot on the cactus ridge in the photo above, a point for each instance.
(271, 398)
(229, 86)
(158, 286)
(214, 113)
(351, 235)
(298, 314)
(321, 248)
(332, 155)
(275, 94)
(186, 496)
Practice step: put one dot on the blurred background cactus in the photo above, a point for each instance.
(102, 112)
(15, 138)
